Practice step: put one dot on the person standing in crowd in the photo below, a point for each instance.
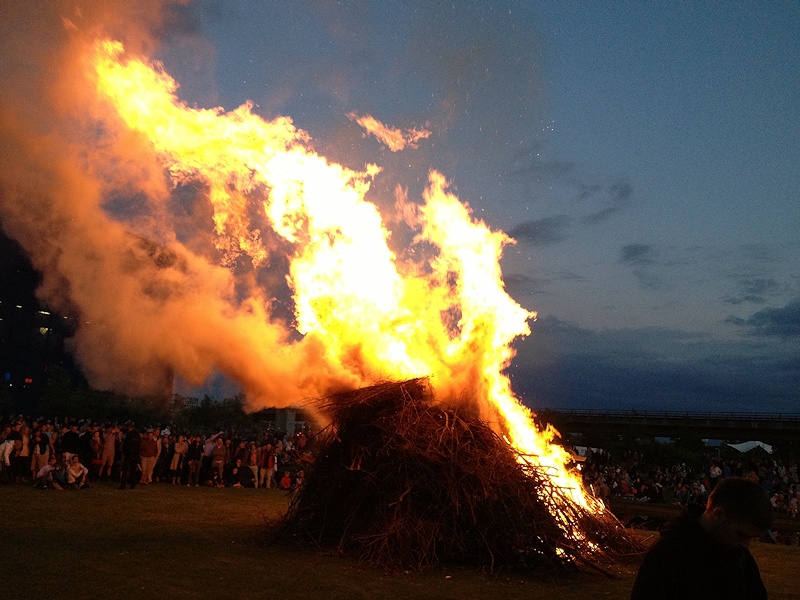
(179, 450)
(70, 442)
(7, 450)
(40, 452)
(165, 452)
(704, 555)
(161, 467)
(273, 462)
(129, 465)
(252, 461)
(111, 436)
(148, 452)
(194, 455)
(219, 454)
(263, 457)
(714, 474)
(95, 454)
(22, 460)
(208, 456)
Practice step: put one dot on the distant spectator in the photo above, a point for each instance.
(179, 450)
(148, 453)
(131, 460)
(240, 475)
(40, 452)
(194, 456)
(252, 461)
(46, 476)
(77, 474)
(714, 475)
(70, 442)
(219, 455)
(7, 451)
(111, 436)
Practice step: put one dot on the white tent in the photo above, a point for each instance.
(747, 446)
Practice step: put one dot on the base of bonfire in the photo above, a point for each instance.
(401, 483)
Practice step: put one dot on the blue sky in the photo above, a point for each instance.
(645, 156)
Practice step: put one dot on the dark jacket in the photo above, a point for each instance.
(687, 564)
(71, 442)
(131, 445)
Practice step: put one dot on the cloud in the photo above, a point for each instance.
(643, 259)
(775, 322)
(542, 232)
(638, 254)
(561, 365)
(619, 195)
(529, 164)
(753, 290)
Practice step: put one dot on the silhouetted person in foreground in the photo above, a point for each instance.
(704, 554)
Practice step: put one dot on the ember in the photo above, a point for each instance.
(404, 484)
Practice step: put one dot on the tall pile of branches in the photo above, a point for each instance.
(402, 483)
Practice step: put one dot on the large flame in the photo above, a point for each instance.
(155, 296)
(373, 313)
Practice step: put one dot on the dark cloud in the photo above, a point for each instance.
(619, 195)
(778, 322)
(565, 366)
(529, 164)
(642, 257)
(753, 290)
(603, 199)
(638, 254)
(521, 286)
(542, 232)
(587, 190)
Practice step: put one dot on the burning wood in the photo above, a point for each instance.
(404, 484)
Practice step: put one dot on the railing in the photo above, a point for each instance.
(713, 416)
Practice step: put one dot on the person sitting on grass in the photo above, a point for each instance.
(286, 481)
(239, 475)
(47, 476)
(76, 474)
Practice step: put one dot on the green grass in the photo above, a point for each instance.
(162, 541)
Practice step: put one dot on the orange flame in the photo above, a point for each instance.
(394, 139)
(374, 314)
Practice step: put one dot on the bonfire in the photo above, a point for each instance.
(403, 483)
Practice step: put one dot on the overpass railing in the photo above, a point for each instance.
(709, 416)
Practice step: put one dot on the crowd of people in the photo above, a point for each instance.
(635, 479)
(72, 454)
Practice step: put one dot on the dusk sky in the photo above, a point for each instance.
(645, 157)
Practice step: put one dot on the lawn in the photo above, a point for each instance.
(163, 541)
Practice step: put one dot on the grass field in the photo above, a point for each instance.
(162, 541)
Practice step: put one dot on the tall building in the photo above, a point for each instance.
(31, 336)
